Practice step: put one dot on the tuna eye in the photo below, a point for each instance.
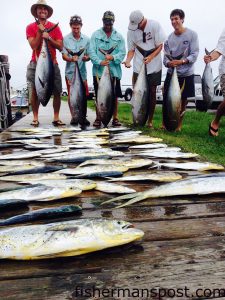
(119, 222)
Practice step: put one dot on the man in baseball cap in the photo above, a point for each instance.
(107, 37)
(149, 37)
(135, 18)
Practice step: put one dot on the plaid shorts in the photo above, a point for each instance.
(57, 90)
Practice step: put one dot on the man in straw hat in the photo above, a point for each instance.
(36, 32)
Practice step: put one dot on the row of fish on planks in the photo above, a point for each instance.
(86, 160)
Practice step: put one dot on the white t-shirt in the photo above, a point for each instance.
(221, 49)
(154, 37)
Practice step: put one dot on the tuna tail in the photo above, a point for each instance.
(208, 52)
(52, 28)
(108, 51)
(178, 57)
(47, 29)
(123, 197)
(145, 53)
(75, 53)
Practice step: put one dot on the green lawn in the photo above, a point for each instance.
(193, 137)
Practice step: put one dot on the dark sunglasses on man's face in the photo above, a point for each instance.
(144, 37)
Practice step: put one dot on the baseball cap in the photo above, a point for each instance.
(76, 20)
(135, 18)
(108, 18)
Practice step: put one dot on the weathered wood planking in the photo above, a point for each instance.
(184, 244)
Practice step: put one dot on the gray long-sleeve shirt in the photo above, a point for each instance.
(186, 43)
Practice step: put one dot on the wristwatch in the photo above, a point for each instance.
(49, 38)
(183, 62)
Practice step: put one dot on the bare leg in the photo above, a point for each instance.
(216, 122)
(56, 106)
(152, 104)
(68, 91)
(35, 104)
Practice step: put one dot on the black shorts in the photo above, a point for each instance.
(189, 85)
(116, 83)
(153, 79)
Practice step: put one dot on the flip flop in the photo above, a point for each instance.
(58, 123)
(116, 123)
(211, 129)
(35, 123)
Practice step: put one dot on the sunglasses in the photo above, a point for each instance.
(144, 37)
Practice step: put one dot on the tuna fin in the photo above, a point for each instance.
(182, 88)
(41, 82)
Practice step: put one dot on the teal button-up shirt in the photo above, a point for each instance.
(75, 45)
(99, 39)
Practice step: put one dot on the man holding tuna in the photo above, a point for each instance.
(36, 33)
(145, 41)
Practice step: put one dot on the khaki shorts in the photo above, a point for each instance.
(222, 84)
(57, 90)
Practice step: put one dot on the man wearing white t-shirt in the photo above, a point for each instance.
(219, 51)
(146, 35)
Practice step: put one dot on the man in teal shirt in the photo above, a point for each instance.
(106, 38)
(75, 41)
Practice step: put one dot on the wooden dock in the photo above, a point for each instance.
(183, 248)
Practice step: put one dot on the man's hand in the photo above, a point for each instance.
(109, 57)
(85, 58)
(148, 59)
(41, 27)
(207, 59)
(104, 63)
(45, 35)
(127, 64)
(74, 58)
(175, 63)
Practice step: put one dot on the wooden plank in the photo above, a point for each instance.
(174, 252)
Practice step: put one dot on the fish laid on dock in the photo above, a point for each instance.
(65, 238)
(82, 184)
(199, 185)
(26, 177)
(45, 213)
(112, 188)
(20, 155)
(40, 193)
(130, 164)
(157, 176)
(197, 166)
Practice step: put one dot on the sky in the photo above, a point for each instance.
(205, 19)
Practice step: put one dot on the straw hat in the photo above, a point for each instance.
(43, 3)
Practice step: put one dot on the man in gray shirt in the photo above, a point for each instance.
(183, 46)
